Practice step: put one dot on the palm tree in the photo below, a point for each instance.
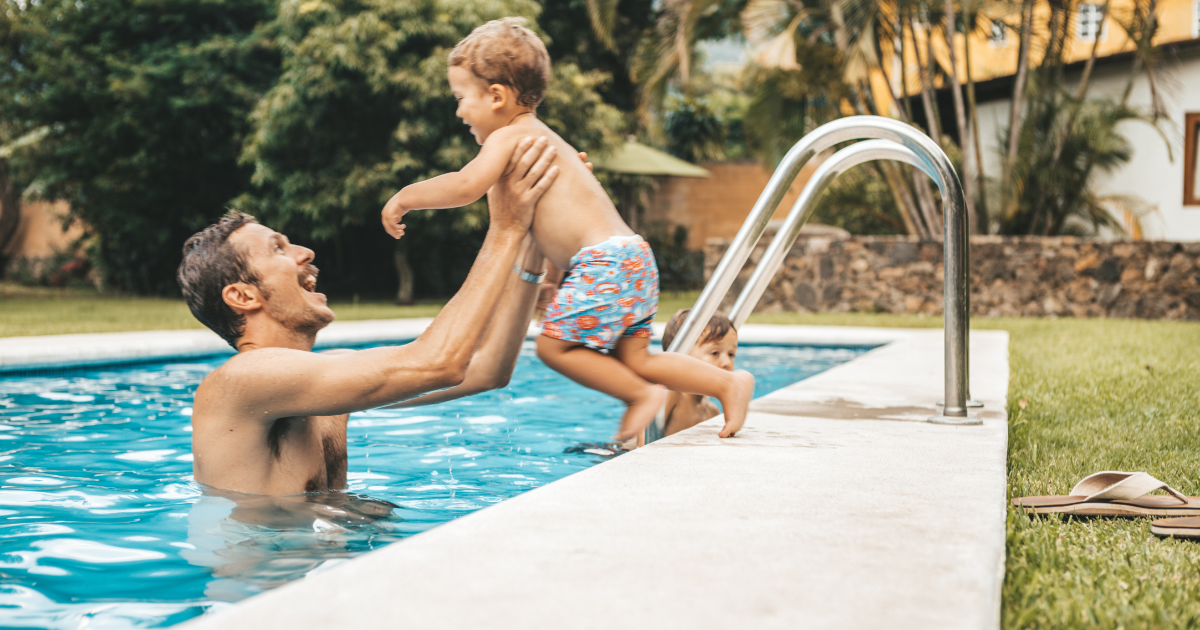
(814, 61)
(1053, 194)
(821, 59)
(1048, 190)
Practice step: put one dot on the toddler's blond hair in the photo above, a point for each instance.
(504, 52)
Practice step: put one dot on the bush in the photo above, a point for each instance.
(145, 105)
(58, 270)
(679, 268)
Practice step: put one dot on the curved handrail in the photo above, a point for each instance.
(829, 170)
(956, 311)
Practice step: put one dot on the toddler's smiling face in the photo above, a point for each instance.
(477, 104)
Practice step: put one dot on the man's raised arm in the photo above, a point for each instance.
(275, 383)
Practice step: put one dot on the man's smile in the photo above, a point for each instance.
(307, 278)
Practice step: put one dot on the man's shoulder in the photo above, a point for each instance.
(246, 367)
(243, 377)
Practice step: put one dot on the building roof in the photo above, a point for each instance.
(1000, 88)
(636, 158)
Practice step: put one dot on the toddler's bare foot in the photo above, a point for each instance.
(640, 413)
(738, 403)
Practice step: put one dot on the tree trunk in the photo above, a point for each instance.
(914, 223)
(977, 140)
(1091, 62)
(920, 182)
(1061, 141)
(1014, 116)
(928, 205)
(907, 108)
(404, 293)
(10, 209)
(909, 213)
(926, 69)
(1146, 39)
(960, 117)
(841, 38)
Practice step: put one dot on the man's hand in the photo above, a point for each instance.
(528, 176)
(546, 293)
(392, 214)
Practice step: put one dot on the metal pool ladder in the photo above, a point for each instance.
(887, 139)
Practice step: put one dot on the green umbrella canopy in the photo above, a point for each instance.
(638, 159)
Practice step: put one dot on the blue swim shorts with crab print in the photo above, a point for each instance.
(611, 291)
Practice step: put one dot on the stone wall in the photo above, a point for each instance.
(1010, 276)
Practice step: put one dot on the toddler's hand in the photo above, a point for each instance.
(392, 214)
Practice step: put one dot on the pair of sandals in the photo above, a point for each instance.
(1116, 493)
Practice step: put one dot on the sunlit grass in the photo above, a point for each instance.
(26, 311)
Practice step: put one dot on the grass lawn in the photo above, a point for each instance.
(1084, 396)
(28, 311)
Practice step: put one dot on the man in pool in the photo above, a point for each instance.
(272, 419)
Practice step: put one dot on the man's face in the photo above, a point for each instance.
(287, 278)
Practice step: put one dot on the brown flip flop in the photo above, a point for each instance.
(1185, 527)
(1115, 493)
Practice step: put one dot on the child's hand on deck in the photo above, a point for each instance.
(393, 213)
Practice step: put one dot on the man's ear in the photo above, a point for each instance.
(499, 95)
(242, 297)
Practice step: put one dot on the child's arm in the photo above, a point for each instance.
(454, 190)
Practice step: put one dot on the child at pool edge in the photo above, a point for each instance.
(718, 347)
(596, 331)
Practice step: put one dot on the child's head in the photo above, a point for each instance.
(718, 344)
(500, 69)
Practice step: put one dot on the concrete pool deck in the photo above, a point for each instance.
(837, 506)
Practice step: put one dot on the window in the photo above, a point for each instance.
(999, 33)
(1191, 161)
(1089, 25)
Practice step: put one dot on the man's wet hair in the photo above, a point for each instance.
(211, 263)
(504, 52)
(718, 326)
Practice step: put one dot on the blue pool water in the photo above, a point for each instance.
(102, 526)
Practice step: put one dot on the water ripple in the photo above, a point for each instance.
(102, 525)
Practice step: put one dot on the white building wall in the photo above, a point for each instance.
(1156, 172)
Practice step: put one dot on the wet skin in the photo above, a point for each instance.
(272, 419)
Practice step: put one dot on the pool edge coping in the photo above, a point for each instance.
(49, 352)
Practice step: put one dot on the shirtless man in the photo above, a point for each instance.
(272, 419)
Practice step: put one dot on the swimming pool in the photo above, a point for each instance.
(101, 524)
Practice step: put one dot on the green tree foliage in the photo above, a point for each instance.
(363, 108)
(859, 202)
(695, 132)
(146, 104)
(787, 104)
(575, 39)
(1053, 194)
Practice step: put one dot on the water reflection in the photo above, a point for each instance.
(251, 543)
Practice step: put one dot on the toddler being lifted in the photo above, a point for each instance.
(597, 329)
